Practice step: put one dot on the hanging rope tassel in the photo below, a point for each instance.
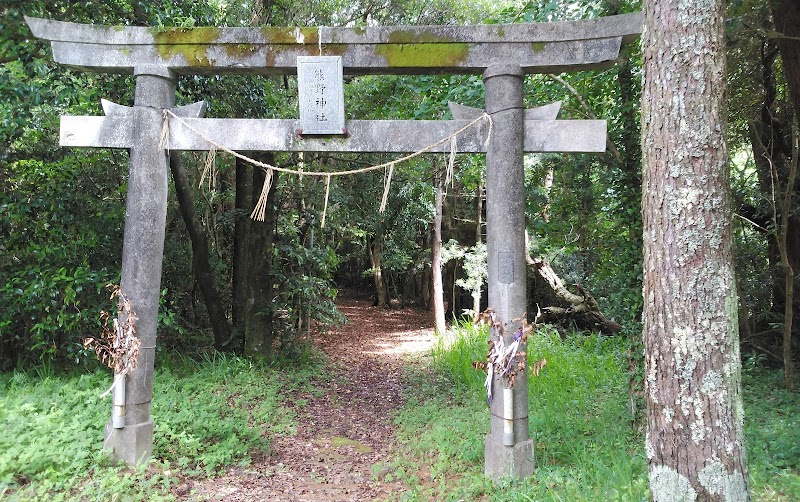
(451, 162)
(164, 143)
(327, 193)
(208, 168)
(386, 184)
(489, 134)
(261, 206)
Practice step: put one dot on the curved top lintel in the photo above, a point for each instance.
(628, 26)
(537, 47)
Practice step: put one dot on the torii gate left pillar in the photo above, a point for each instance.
(142, 253)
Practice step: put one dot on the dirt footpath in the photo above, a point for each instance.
(347, 432)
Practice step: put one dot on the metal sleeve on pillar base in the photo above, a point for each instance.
(508, 416)
(118, 413)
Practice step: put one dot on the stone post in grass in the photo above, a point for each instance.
(509, 449)
(142, 253)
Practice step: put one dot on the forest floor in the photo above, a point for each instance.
(345, 430)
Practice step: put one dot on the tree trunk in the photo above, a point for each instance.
(694, 443)
(782, 223)
(425, 287)
(582, 308)
(375, 249)
(244, 189)
(436, 259)
(203, 272)
(776, 162)
(786, 14)
(258, 316)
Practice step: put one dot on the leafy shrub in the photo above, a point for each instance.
(59, 233)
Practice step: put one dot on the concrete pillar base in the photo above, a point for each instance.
(514, 462)
(132, 444)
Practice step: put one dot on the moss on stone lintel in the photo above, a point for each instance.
(238, 50)
(191, 43)
(275, 35)
(423, 55)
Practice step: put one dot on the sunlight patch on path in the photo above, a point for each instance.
(404, 343)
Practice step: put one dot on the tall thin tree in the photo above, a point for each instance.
(695, 445)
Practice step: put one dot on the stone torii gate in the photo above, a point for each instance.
(503, 54)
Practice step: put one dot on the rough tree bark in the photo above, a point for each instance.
(436, 258)
(203, 273)
(694, 445)
(258, 315)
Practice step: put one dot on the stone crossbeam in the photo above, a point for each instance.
(536, 47)
(274, 135)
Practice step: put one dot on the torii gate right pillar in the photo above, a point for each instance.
(509, 449)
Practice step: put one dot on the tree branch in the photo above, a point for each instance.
(574, 92)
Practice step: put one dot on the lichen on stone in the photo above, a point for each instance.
(280, 35)
(192, 44)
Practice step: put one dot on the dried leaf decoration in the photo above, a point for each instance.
(117, 346)
(508, 361)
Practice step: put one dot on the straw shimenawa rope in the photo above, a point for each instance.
(260, 209)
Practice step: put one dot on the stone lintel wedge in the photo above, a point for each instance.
(537, 47)
(279, 135)
(115, 130)
(193, 110)
(544, 112)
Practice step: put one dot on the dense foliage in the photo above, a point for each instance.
(62, 210)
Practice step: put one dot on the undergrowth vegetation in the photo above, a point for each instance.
(208, 414)
(586, 441)
(222, 410)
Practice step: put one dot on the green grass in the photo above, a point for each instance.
(218, 411)
(585, 444)
(772, 431)
(208, 414)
